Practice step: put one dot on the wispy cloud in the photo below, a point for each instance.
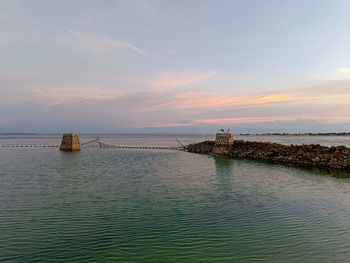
(344, 70)
(169, 80)
(68, 93)
(167, 110)
(205, 99)
(173, 52)
(159, 125)
(4, 119)
(241, 120)
(100, 44)
(198, 100)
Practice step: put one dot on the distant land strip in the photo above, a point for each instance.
(302, 134)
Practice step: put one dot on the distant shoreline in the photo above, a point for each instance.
(299, 134)
(206, 134)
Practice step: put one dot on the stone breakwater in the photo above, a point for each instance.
(310, 155)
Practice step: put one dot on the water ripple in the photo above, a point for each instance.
(137, 206)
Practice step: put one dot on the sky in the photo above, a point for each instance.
(185, 66)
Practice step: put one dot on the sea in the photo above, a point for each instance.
(137, 205)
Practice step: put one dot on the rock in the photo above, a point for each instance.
(313, 155)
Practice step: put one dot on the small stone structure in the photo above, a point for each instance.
(70, 142)
(223, 143)
(224, 138)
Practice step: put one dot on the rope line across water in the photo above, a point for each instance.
(28, 145)
(102, 145)
(157, 147)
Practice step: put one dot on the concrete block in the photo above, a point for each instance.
(70, 142)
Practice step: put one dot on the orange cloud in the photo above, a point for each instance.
(201, 99)
(248, 119)
(267, 119)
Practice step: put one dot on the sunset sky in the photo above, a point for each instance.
(150, 66)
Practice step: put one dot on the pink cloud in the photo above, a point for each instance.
(159, 125)
(4, 119)
(199, 107)
(250, 119)
(168, 80)
(243, 120)
(199, 99)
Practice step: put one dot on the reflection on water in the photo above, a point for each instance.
(330, 172)
(224, 172)
(314, 170)
(164, 206)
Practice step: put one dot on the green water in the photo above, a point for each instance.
(162, 206)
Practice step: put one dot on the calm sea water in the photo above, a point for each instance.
(108, 205)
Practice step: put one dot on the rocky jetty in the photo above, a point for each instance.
(310, 155)
(205, 147)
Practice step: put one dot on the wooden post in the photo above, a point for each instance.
(70, 142)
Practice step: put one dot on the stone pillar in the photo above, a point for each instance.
(70, 142)
(223, 143)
